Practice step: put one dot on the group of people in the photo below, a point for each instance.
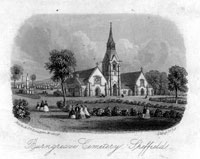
(146, 113)
(79, 112)
(43, 106)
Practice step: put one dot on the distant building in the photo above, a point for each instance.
(109, 82)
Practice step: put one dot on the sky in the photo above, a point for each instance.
(147, 41)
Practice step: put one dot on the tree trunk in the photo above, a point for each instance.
(176, 92)
(14, 83)
(63, 91)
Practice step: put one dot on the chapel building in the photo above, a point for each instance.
(109, 81)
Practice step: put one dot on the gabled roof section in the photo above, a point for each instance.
(81, 77)
(85, 73)
(130, 78)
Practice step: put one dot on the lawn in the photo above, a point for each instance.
(57, 120)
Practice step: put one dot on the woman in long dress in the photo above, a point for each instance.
(77, 112)
(82, 114)
(46, 108)
(87, 114)
(42, 106)
(38, 106)
(72, 114)
(147, 115)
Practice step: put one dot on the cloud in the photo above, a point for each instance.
(128, 53)
(81, 42)
(148, 41)
(84, 48)
(158, 54)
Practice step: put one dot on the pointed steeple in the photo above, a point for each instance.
(110, 43)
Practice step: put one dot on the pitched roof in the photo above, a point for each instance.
(129, 79)
(83, 76)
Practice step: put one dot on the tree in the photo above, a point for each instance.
(33, 78)
(62, 65)
(163, 83)
(16, 72)
(177, 79)
(153, 78)
(159, 81)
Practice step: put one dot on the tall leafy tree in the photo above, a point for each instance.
(163, 83)
(153, 78)
(33, 78)
(61, 65)
(16, 72)
(177, 79)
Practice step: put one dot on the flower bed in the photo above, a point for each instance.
(169, 100)
(156, 110)
(137, 103)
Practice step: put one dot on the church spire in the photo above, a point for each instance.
(110, 43)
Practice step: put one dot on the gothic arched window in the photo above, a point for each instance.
(114, 66)
(142, 82)
(97, 79)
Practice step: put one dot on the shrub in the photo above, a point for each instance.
(100, 112)
(94, 112)
(171, 107)
(67, 108)
(57, 93)
(140, 114)
(20, 109)
(156, 106)
(107, 111)
(116, 111)
(148, 104)
(124, 112)
(182, 102)
(60, 104)
(179, 115)
(119, 101)
(134, 103)
(151, 113)
(113, 101)
(126, 101)
(158, 113)
(87, 101)
(166, 114)
(172, 114)
(133, 112)
(100, 101)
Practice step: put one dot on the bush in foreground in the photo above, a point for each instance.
(116, 111)
(158, 113)
(133, 112)
(60, 104)
(20, 109)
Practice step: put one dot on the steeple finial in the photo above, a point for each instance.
(110, 43)
(141, 69)
(97, 64)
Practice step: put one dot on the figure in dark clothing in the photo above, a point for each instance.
(144, 112)
(42, 106)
